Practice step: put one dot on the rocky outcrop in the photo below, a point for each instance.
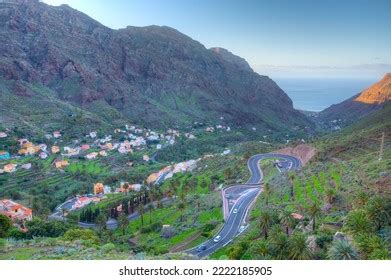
(378, 93)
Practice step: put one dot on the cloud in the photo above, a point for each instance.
(369, 66)
(369, 70)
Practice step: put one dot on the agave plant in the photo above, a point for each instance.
(342, 250)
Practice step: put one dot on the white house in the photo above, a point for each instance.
(26, 166)
(57, 134)
(145, 157)
(92, 155)
(43, 155)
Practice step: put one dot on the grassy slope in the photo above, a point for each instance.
(34, 104)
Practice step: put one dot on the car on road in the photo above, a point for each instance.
(241, 229)
(217, 238)
(235, 211)
(201, 248)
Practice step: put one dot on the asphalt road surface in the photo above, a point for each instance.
(244, 195)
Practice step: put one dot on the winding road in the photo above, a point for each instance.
(237, 201)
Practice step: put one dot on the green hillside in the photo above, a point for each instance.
(345, 188)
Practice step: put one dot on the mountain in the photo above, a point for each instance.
(360, 105)
(378, 93)
(57, 61)
(234, 59)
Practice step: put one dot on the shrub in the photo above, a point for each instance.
(155, 227)
(108, 247)
(41, 228)
(5, 225)
(369, 244)
(208, 227)
(16, 233)
(2, 244)
(236, 252)
(323, 240)
(81, 234)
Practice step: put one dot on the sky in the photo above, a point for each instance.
(279, 38)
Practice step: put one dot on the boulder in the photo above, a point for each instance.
(339, 236)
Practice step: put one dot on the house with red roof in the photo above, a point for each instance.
(15, 211)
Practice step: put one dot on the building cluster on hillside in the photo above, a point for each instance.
(15, 211)
(100, 190)
(135, 138)
(83, 201)
(217, 127)
(169, 171)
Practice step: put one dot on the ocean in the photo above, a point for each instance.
(313, 94)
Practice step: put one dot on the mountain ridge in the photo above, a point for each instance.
(153, 75)
(362, 104)
(378, 93)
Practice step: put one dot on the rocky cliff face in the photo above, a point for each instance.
(151, 75)
(360, 105)
(378, 93)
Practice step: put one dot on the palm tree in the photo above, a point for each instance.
(279, 245)
(174, 186)
(123, 222)
(159, 196)
(126, 187)
(342, 250)
(181, 208)
(330, 194)
(171, 189)
(286, 220)
(182, 196)
(298, 247)
(100, 221)
(141, 211)
(149, 209)
(379, 212)
(314, 211)
(357, 221)
(197, 200)
(292, 177)
(152, 194)
(144, 194)
(266, 192)
(266, 221)
(262, 248)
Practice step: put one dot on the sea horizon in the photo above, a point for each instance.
(316, 94)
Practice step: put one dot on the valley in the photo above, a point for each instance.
(140, 143)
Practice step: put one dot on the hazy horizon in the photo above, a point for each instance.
(317, 94)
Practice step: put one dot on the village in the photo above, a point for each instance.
(94, 146)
